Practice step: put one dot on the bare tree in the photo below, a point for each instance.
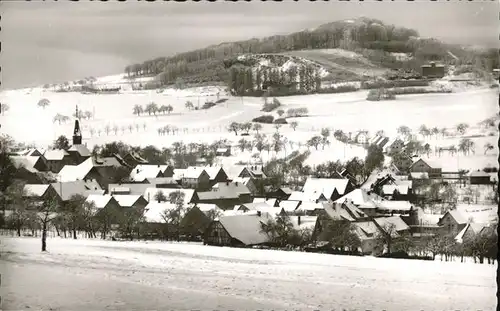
(257, 127)
(46, 214)
(294, 125)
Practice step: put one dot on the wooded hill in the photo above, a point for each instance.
(379, 44)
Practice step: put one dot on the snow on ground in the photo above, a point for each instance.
(105, 275)
(349, 112)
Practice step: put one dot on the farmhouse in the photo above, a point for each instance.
(163, 182)
(226, 196)
(57, 159)
(361, 137)
(39, 193)
(248, 182)
(479, 178)
(260, 207)
(367, 232)
(193, 177)
(469, 231)
(402, 162)
(84, 188)
(394, 146)
(131, 201)
(365, 200)
(102, 202)
(331, 188)
(420, 166)
(83, 171)
(289, 206)
(452, 221)
(197, 219)
(216, 174)
(401, 192)
(237, 230)
(143, 171)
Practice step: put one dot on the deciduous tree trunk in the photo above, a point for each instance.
(44, 237)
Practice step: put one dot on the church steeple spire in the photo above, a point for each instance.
(77, 134)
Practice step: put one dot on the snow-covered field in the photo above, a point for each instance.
(349, 112)
(105, 275)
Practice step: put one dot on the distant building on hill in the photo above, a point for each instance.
(432, 70)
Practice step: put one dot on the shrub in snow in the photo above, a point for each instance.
(380, 94)
(264, 119)
(280, 121)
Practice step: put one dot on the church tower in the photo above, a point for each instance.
(77, 134)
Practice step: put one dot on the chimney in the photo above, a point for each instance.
(137, 171)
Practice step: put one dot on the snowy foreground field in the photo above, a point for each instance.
(103, 275)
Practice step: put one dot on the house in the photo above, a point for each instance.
(402, 162)
(25, 169)
(452, 222)
(394, 207)
(128, 188)
(379, 141)
(216, 174)
(65, 190)
(193, 177)
(479, 178)
(282, 193)
(248, 182)
(242, 190)
(223, 151)
(365, 200)
(262, 207)
(433, 70)
(40, 193)
(30, 163)
(313, 196)
(237, 230)
(32, 152)
(141, 172)
(131, 201)
(155, 225)
(196, 221)
(133, 159)
(420, 166)
(226, 197)
(110, 169)
(361, 137)
(103, 202)
(394, 224)
(163, 182)
(331, 188)
(367, 232)
(469, 231)
(394, 146)
(56, 159)
(397, 192)
(290, 207)
(190, 195)
(83, 171)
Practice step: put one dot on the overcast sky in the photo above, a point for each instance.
(47, 42)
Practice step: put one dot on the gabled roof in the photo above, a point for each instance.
(235, 187)
(311, 206)
(192, 172)
(32, 190)
(66, 189)
(399, 224)
(395, 205)
(343, 211)
(389, 189)
(233, 171)
(366, 229)
(212, 171)
(479, 173)
(242, 180)
(459, 218)
(26, 161)
(150, 192)
(178, 173)
(75, 172)
(246, 228)
(326, 186)
(81, 150)
(144, 171)
(311, 196)
(361, 198)
(260, 207)
(55, 154)
(431, 163)
(106, 161)
(130, 188)
(206, 207)
(289, 206)
(306, 222)
(127, 200)
(153, 211)
(475, 228)
(100, 201)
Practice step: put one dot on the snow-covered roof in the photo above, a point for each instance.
(55, 154)
(153, 212)
(311, 206)
(476, 228)
(32, 190)
(127, 200)
(212, 171)
(242, 180)
(479, 173)
(191, 172)
(246, 228)
(389, 189)
(100, 201)
(75, 172)
(395, 205)
(150, 192)
(81, 150)
(66, 189)
(306, 222)
(366, 229)
(361, 198)
(326, 186)
(26, 161)
(235, 187)
(399, 224)
(106, 161)
(289, 206)
(144, 171)
(311, 196)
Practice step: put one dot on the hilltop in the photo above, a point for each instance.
(347, 50)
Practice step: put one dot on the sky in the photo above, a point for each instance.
(50, 42)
